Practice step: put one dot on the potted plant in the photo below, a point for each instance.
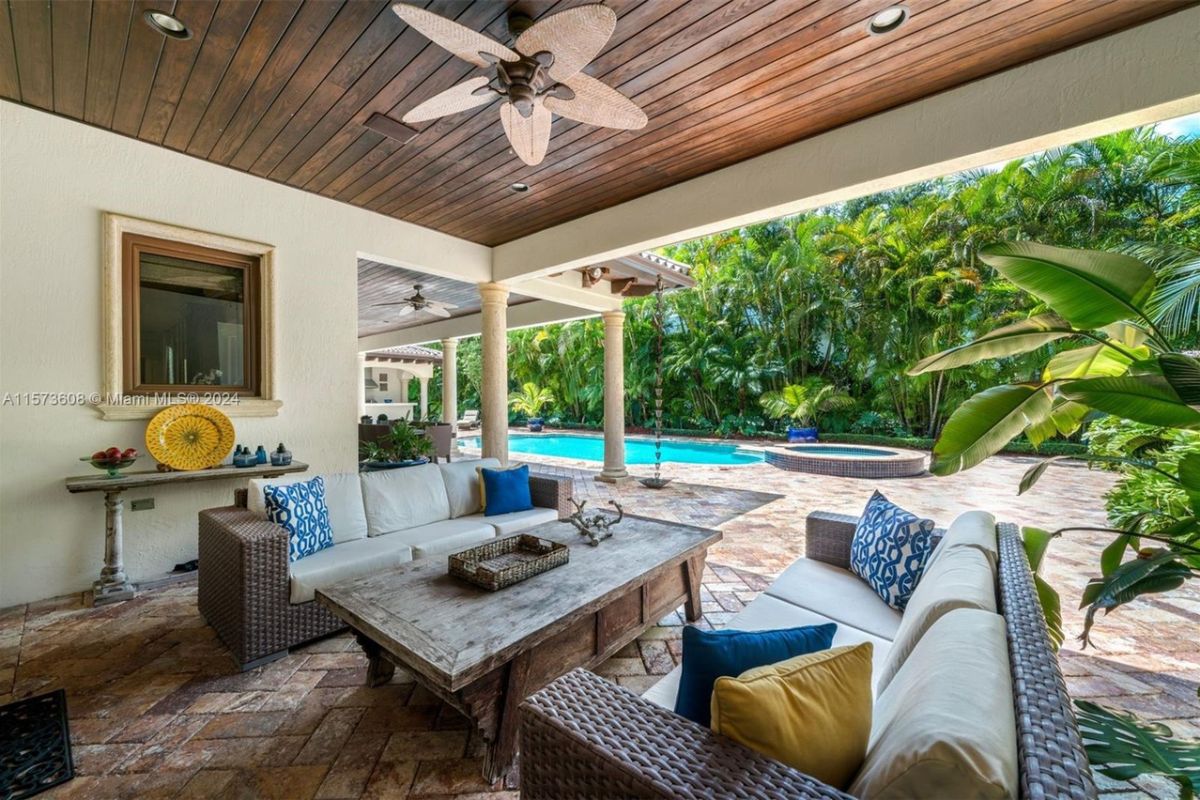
(802, 404)
(402, 446)
(530, 401)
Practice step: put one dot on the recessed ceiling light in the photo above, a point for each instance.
(887, 20)
(519, 187)
(167, 24)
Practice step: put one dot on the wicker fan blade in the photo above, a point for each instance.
(597, 103)
(437, 310)
(575, 36)
(458, 39)
(460, 97)
(529, 136)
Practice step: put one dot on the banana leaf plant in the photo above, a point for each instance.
(1122, 365)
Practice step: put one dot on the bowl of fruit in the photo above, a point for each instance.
(112, 460)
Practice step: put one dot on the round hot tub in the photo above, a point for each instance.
(847, 460)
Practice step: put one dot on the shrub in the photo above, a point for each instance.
(1140, 490)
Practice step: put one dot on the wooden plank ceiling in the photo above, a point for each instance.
(282, 89)
(382, 283)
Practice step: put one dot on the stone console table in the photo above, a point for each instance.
(113, 585)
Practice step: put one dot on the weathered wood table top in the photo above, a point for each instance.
(453, 633)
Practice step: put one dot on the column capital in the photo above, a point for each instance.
(449, 344)
(615, 317)
(494, 293)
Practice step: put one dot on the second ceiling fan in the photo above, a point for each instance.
(540, 75)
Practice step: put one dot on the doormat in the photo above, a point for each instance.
(35, 745)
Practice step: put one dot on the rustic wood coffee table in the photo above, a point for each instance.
(484, 652)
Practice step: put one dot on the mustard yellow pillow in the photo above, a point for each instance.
(812, 712)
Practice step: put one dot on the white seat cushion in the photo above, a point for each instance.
(344, 561)
(446, 536)
(767, 613)
(398, 499)
(838, 594)
(519, 521)
(945, 726)
(462, 485)
(343, 496)
(971, 529)
(962, 577)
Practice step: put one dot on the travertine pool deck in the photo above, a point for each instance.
(157, 709)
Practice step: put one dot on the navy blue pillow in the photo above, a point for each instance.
(506, 490)
(708, 655)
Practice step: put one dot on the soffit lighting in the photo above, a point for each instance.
(519, 187)
(166, 24)
(887, 20)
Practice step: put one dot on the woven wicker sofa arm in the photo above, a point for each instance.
(243, 583)
(585, 737)
(827, 537)
(551, 491)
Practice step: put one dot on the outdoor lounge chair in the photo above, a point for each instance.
(470, 420)
(583, 736)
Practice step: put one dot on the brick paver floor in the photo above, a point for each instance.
(157, 709)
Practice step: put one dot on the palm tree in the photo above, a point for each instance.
(530, 401)
(804, 403)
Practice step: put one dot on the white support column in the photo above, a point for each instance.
(450, 389)
(424, 401)
(494, 343)
(362, 384)
(614, 398)
(404, 379)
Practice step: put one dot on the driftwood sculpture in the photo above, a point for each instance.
(598, 526)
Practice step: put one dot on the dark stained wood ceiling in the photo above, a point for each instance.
(282, 89)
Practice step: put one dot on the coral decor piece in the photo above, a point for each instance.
(598, 526)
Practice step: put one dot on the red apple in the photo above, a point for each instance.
(129, 453)
(98, 455)
(113, 452)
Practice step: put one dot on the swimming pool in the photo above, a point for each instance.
(637, 449)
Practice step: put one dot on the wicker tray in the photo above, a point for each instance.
(503, 562)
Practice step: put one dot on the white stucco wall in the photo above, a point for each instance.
(56, 178)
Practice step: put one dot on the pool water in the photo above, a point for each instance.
(848, 451)
(637, 450)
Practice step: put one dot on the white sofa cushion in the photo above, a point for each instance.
(446, 536)
(971, 529)
(945, 726)
(516, 522)
(462, 485)
(767, 613)
(343, 496)
(962, 577)
(398, 499)
(838, 594)
(344, 561)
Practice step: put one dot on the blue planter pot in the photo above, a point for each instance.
(535, 425)
(799, 435)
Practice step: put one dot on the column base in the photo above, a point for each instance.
(105, 593)
(615, 476)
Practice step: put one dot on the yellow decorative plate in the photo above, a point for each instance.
(190, 436)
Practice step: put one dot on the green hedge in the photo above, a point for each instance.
(1017, 447)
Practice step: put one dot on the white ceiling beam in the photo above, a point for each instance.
(525, 315)
(1139, 76)
(568, 288)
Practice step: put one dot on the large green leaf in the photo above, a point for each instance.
(981, 426)
(1021, 337)
(1143, 398)
(1088, 288)
(1095, 361)
(1067, 415)
(1158, 571)
(1183, 373)
(1121, 747)
(1051, 610)
(1036, 542)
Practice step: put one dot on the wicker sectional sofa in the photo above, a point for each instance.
(586, 737)
(260, 604)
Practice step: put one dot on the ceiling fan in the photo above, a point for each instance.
(418, 302)
(541, 74)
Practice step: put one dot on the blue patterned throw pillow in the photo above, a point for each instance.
(300, 509)
(890, 549)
